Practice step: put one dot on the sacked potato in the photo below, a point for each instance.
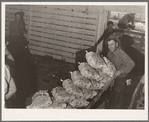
(88, 94)
(60, 95)
(78, 103)
(56, 105)
(71, 88)
(109, 68)
(87, 71)
(94, 60)
(80, 81)
(40, 99)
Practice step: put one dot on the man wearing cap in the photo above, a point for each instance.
(124, 64)
(110, 30)
(25, 75)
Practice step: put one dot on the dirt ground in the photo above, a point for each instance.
(50, 71)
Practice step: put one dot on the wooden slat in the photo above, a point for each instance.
(13, 6)
(66, 39)
(35, 24)
(49, 9)
(41, 20)
(70, 60)
(73, 35)
(79, 20)
(60, 43)
(79, 7)
(35, 52)
(66, 49)
(64, 7)
(44, 49)
(81, 25)
(9, 10)
(67, 13)
(83, 31)
(42, 30)
(75, 41)
(43, 15)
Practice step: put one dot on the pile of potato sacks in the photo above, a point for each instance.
(83, 85)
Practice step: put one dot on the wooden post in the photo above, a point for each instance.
(29, 24)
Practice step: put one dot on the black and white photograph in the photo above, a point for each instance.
(74, 61)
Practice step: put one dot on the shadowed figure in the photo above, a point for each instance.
(138, 71)
(25, 76)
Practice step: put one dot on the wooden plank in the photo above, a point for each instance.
(55, 56)
(67, 39)
(53, 51)
(49, 9)
(64, 7)
(44, 25)
(79, 20)
(25, 7)
(82, 31)
(92, 38)
(13, 6)
(46, 35)
(77, 25)
(63, 43)
(70, 60)
(42, 20)
(44, 15)
(79, 7)
(60, 43)
(9, 10)
(62, 48)
(37, 14)
(75, 41)
(73, 13)
(19, 7)
(42, 30)
(35, 52)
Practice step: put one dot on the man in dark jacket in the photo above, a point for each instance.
(109, 31)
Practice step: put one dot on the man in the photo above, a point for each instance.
(124, 64)
(25, 74)
(10, 87)
(127, 21)
(109, 31)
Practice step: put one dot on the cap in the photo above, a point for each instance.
(112, 37)
(21, 13)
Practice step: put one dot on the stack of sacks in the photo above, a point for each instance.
(84, 82)
(83, 85)
(100, 64)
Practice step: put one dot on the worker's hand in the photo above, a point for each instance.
(118, 73)
(128, 82)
